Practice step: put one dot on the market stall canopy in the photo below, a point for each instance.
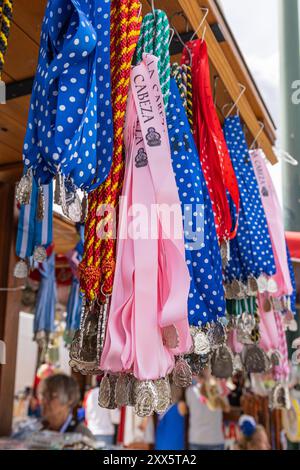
(293, 241)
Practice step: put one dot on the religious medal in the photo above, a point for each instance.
(163, 395)
(145, 398)
(222, 363)
(262, 283)
(40, 254)
(21, 270)
(201, 343)
(182, 373)
(104, 392)
(254, 359)
(40, 210)
(24, 188)
(74, 209)
(216, 334)
(123, 390)
(272, 286)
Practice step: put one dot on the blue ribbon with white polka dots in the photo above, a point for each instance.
(206, 297)
(251, 252)
(70, 127)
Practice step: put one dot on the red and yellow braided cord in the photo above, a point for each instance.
(97, 268)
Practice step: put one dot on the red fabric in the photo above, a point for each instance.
(293, 241)
(214, 156)
(121, 428)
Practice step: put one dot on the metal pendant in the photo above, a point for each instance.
(59, 189)
(272, 286)
(254, 359)
(236, 288)
(21, 270)
(296, 358)
(85, 348)
(74, 209)
(201, 342)
(262, 283)
(293, 326)
(40, 210)
(222, 363)
(228, 292)
(170, 337)
(237, 364)
(275, 358)
(123, 390)
(182, 373)
(84, 208)
(163, 391)
(145, 398)
(280, 398)
(252, 287)
(40, 254)
(225, 253)
(104, 392)
(197, 363)
(24, 188)
(216, 334)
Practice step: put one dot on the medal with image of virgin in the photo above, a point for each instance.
(182, 373)
(254, 359)
(24, 187)
(170, 337)
(145, 398)
(123, 390)
(200, 341)
(163, 391)
(216, 334)
(222, 363)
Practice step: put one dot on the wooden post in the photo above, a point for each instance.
(9, 305)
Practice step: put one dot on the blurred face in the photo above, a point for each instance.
(53, 411)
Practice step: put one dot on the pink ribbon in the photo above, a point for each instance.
(275, 223)
(152, 282)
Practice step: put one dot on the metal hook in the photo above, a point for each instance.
(172, 32)
(151, 4)
(285, 156)
(140, 10)
(236, 101)
(201, 23)
(262, 126)
(180, 13)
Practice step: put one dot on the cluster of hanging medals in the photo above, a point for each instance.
(110, 118)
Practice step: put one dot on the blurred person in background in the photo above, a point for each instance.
(252, 435)
(59, 395)
(206, 405)
(170, 429)
(101, 422)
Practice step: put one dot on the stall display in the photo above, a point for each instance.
(183, 264)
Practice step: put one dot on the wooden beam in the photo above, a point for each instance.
(9, 306)
(194, 14)
(11, 173)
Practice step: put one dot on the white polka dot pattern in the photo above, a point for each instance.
(70, 124)
(251, 251)
(206, 298)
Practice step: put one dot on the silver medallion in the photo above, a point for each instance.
(237, 364)
(145, 398)
(21, 270)
(222, 363)
(84, 208)
(104, 392)
(216, 334)
(182, 373)
(236, 288)
(74, 209)
(170, 337)
(296, 358)
(229, 292)
(280, 397)
(40, 209)
(163, 391)
(262, 283)
(293, 326)
(252, 286)
(275, 358)
(123, 390)
(201, 344)
(272, 286)
(40, 254)
(24, 188)
(254, 359)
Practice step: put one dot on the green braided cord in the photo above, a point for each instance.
(176, 73)
(154, 39)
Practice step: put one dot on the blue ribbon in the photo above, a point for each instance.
(251, 252)
(70, 126)
(206, 298)
(46, 298)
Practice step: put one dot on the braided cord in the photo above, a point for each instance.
(176, 73)
(154, 39)
(98, 264)
(187, 78)
(6, 12)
